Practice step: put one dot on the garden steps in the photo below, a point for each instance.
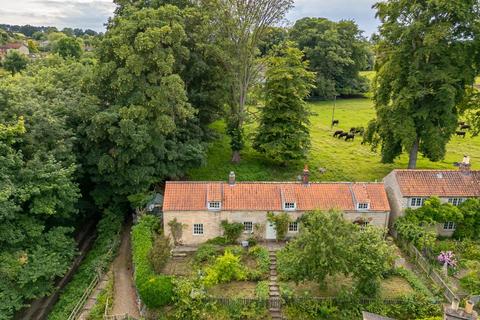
(273, 289)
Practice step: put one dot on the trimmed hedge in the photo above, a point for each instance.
(99, 257)
(154, 290)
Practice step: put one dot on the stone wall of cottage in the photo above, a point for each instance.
(211, 222)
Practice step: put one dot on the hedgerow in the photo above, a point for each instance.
(97, 259)
(154, 290)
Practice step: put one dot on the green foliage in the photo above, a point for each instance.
(337, 51)
(283, 132)
(160, 252)
(176, 230)
(467, 228)
(418, 225)
(220, 241)
(231, 231)
(423, 67)
(146, 131)
(40, 192)
(262, 257)
(206, 253)
(154, 290)
(328, 245)
(413, 280)
(226, 268)
(106, 295)
(280, 221)
(97, 259)
(15, 62)
(471, 282)
(68, 47)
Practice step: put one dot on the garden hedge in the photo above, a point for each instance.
(154, 290)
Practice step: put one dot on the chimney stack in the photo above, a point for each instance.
(453, 312)
(465, 165)
(231, 178)
(306, 175)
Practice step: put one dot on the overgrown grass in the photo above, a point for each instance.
(98, 310)
(344, 161)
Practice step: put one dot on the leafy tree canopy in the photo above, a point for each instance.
(426, 55)
(337, 51)
(283, 133)
(15, 62)
(328, 245)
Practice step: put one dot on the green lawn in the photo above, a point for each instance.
(344, 161)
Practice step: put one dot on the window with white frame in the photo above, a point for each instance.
(363, 206)
(364, 224)
(417, 202)
(198, 229)
(248, 226)
(289, 206)
(455, 201)
(293, 226)
(214, 205)
(450, 225)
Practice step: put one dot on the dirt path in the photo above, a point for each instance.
(125, 298)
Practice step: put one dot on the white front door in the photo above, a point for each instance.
(271, 231)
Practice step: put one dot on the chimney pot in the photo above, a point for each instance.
(231, 178)
(469, 307)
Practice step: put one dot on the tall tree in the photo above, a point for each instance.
(337, 51)
(146, 130)
(244, 24)
(283, 134)
(426, 55)
(68, 48)
(328, 245)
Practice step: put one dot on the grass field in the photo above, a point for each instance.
(344, 161)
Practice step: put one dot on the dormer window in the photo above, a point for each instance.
(363, 206)
(214, 205)
(289, 206)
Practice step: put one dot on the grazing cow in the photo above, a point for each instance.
(349, 136)
(337, 133)
(465, 126)
(461, 123)
(342, 135)
(460, 133)
(352, 130)
(335, 122)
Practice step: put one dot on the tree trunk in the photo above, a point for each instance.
(412, 160)
(236, 156)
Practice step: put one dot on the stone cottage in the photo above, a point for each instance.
(410, 189)
(18, 47)
(201, 206)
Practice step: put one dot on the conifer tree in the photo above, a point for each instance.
(283, 134)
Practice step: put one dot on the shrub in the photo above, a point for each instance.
(281, 222)
(160, 253)
(471, 282)
(154, 290)
(176, 229)
(98, 311)
(221, 241)
(98, 258)
(205, 253)
(262, 290)
(231, 231)
(263, 260)
(225, 269)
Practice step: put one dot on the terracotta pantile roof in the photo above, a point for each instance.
(442, 183)
(11, 46)
(267, 196)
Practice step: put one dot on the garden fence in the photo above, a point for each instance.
(422, 263)
(77, 310)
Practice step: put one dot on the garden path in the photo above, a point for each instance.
(125, 296)
(274, 300)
